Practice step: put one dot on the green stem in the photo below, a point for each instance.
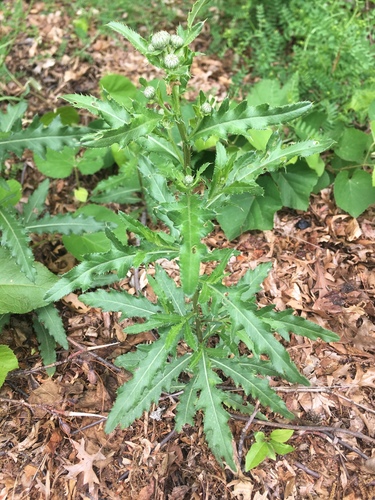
(198, 323)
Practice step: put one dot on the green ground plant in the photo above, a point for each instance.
(191, 158)
(23, 280)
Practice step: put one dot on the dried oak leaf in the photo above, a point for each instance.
(85, 465)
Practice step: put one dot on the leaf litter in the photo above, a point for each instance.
(325, 270)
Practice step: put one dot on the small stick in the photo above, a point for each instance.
(307, 470)
(244, 431)
(98, 358)
(306, 428)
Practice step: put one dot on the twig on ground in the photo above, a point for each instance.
(307, 470)
(89, 350)
(306, 428)
(244, 431)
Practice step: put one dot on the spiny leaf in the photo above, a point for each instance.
(47, 345)
(15, 239)
(52, 322)
(257, 387)
(191, 217)
(136, 395)
(112, 112)
(11, 118)
(35, 203)
(132, 36)
(156, 321)
(65, 224)
(84, 275)
(216, 419)
(141, 125)
(37, 137)
(186, 409)
(243, 117)
(258, 335)
(17, 293)
(253, 279)
(129, 305)
(284, 322)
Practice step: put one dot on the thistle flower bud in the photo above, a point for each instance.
(149, 92)
(189, 179)
(150, 48)
(160, 39)
(206, 108)
(176, 41)
(171, 61)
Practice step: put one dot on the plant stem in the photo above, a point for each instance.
(196, 310)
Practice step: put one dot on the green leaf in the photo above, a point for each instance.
(18, 294)
(94, 160)
(192, 219)
(11, 118)
(156, 321)
(354, 194)
(253, 279)
(258, 335)
(295, 185)
(140, 126)
(57, 164)
(257, 453)
(38, 138)
(129, 305)
(197, 6)
(10, 193)
(145, 387)
(353, 145)
(65, 224)
(243, 117)
(245, 212)
(172, 292)
(216, 419)
(159, 239)
(8, 362)
(258, 388)
(35, 203)
(113, 113)
(49, 317)
(119, 88)
(17, 243)
(281, 435)
(84, 275)
(133, 37)
(186, 409)
(280, 448)
(284, 322)
(47, 345)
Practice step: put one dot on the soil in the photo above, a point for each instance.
(52, 437)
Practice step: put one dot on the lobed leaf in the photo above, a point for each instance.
(49, 317)
(15, 239)
(239, 119)
(65, 224)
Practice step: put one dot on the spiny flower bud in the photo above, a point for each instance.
(160, 39)
(171, 61)
(177, 41)
(150, 48)
(206, 108)
(189, 179)
(149, 92)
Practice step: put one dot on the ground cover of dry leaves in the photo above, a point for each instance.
(323, 266)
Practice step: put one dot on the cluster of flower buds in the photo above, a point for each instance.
(163, 41)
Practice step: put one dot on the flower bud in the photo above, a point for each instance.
(189, 179)
(176, 41)
(171, 61)
(150, 48)
(206, 108)
(160, 39)
(149, 92)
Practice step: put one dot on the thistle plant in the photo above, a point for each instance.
(201, 326)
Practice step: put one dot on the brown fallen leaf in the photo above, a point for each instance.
(85, 465)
